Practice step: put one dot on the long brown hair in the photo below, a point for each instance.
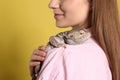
(106, 29)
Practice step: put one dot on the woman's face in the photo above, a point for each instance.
(70, 12)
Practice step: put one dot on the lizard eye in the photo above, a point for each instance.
(81, 33)
(71, 35)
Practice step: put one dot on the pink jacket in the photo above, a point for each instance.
(85, 61)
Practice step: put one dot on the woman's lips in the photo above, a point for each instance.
(58, 16)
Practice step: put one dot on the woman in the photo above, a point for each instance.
(100, 18)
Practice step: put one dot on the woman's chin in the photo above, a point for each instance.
(62, 25)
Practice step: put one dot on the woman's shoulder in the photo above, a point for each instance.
(89, 45)
(89, 49)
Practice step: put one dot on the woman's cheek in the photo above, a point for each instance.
(66, 5)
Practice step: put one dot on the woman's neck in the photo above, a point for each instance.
(80, 27)
(86, 24)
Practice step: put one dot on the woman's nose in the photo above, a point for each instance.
(54, 4)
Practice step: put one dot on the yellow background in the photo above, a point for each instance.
(24, 25)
